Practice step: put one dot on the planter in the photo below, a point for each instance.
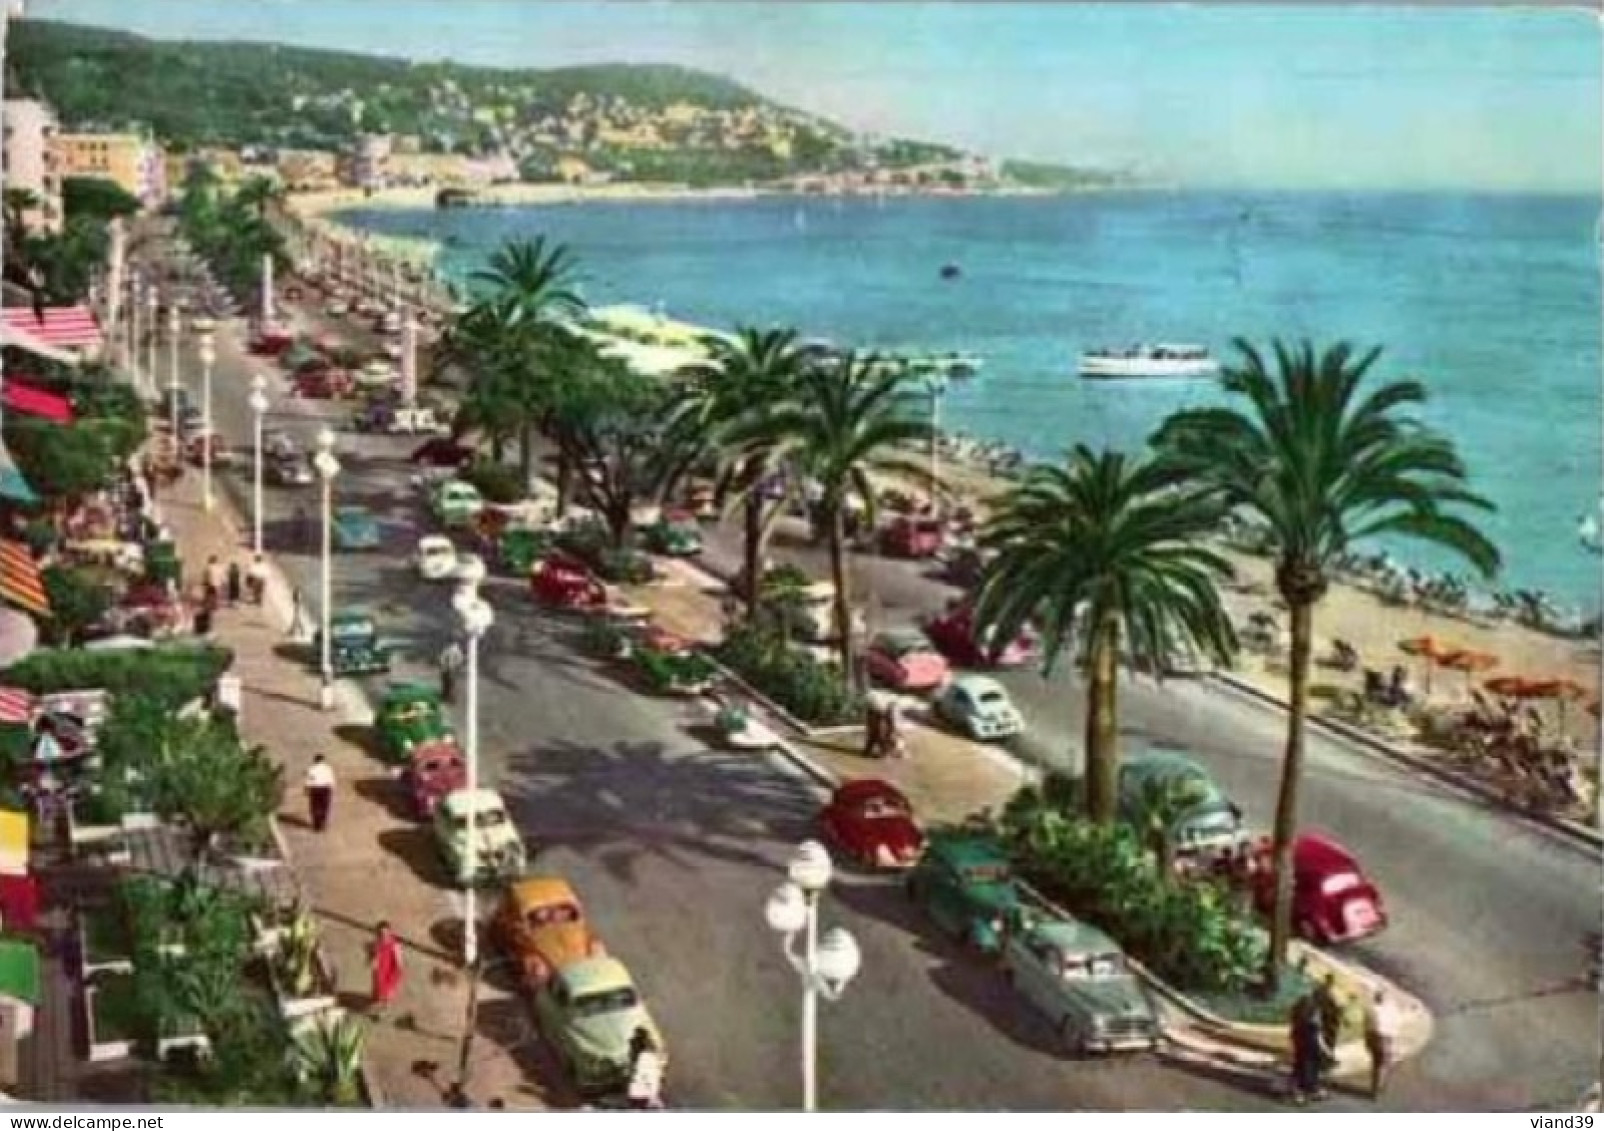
(107, 1003)
(103, 944)
(81, 833)
(187, 1036)
(293, 1006)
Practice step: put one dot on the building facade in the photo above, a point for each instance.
(367, 165)
(31, 161)
(134, 163)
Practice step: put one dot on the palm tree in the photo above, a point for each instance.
(1322, 463)
(1109, 548)
(740, 375)
(843, 421)
(536, 280)
(258, 194)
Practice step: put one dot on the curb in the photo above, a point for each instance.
(1585, 835)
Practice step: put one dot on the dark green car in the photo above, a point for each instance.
(965, 882)
(409, 716)
(517, 551)
(354, 645)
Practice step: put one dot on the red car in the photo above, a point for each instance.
(873, 823)
(441, 452)
(322, 384)
(1332, 899)
(909, 537)
(435, 770)
(906, 661)
(563, 582)
(271, 341)
(954, 634)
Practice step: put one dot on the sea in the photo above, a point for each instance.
(1493, 301)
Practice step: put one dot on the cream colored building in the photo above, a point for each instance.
(30, 159)
(427, 169)
(135, 163)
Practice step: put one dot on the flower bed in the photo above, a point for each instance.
(111, 1016)
(812, 691)
(103, 942)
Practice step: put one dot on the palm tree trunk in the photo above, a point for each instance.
(753, 545)
(1102, 753)
(1286, 806)
(526, 452)
(565, 479)
(838, 578)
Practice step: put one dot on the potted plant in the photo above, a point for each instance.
(326, 1056)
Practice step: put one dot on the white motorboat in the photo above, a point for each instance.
(1149, 361)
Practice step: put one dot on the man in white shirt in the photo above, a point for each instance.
(319, 792)
(1381, 1036)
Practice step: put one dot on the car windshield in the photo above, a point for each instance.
(484, 819)
(986, 873)
(1088, 967)
(993, 699)
(1217, 821)
(411, 712)
(356, 630)
(605, 1001)
(356, 517)
(553, 914)
(1339, 883)
(435, 765)
(900, 646)
(882, 808)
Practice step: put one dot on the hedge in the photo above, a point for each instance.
(812, 691)
(172, 675)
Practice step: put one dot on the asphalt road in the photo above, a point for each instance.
(675, 846)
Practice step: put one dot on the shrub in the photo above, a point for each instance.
(497, 482)
(591, 544)
(172, 675)
(812, 691)
(664, 672)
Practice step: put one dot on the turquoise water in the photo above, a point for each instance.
(1494, 301)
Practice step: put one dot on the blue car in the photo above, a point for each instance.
(355, 529)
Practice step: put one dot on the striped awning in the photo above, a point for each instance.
(16, 705)
(61, 327)
(31, 400)
(13, 843)
(20, 582)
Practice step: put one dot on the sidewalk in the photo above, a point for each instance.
(371, 862)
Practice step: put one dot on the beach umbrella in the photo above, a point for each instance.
(1565, 690)
(1428, 648)
(1517, 687)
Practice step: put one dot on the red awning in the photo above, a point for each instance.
(34, 401)
(20, 582)
(65, 327)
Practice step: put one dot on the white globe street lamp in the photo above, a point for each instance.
(208, 356)
(258, 404)
(153, 306)
(327, 467)
(476, 617)
(825, 965)
(173, 327)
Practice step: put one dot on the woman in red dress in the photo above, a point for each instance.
(387, 966)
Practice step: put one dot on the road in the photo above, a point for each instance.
(675, 847)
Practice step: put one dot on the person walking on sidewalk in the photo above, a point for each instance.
(1381, 1037)
(235, 584)
(256, 580)
(451, 661)
(212, 581)
(386, 965)
(319, 792)
(1308, 1050)
(1329, 1010)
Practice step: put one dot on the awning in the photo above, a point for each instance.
(19, 971)
(61, 327)
(12, 484)
(13, 843)
(34, 401)
(31, 343)
(20, 582)
(16, 705)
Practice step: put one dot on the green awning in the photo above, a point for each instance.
(19, 971)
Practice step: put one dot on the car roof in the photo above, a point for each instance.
(1071, 936)
(434, 541)
(456, 802)
(965, 849)
(409, 693)
(1321, 854)
(539, 891)
(909, 639)
(1163, 764)
(351, 616)
(978, 685)
(861, 789)
(593, 975)
(437, 747)
(352, 510)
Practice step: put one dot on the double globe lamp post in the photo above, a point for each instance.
(476, 616)
(327, 467)
(825, 965)
(207, 352)
(258, 404)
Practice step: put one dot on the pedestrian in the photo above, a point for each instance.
(319, 792)
(1330, 1015)
(895, 741)
(873, 726)
(387, 966)
(203, 616)
(235, 584)
(451, 661)
(256, 580)
(645, 1071)
(1307, 1050)
(212, 580)
(1381, 1034)
(299, 630)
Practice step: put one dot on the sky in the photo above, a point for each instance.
(1329, 97)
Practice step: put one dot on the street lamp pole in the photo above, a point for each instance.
(258, 411)
(173, 327)
(208, 355)
(135, 299)
(825, 965)
(153, 305)
(327, 468)
(476, 616)
(937, 388)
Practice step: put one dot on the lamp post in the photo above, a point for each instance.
(135, 299)
(208, 355)
(825, 965)
(1590, 532)
(476, 616)
(173, 326)
(937, 388)
(153, 304)
(327, 468)
(258, 404)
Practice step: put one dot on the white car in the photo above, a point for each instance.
(979, 706)
(436, 558)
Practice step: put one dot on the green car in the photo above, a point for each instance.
(456, 502)
(588, 1012)
(676, 534)
(965, 882)
(355, 528)
(409, 715)
(1078, 977)
(354, 645)
(1206, 819)
(162, 563)
(517, 551)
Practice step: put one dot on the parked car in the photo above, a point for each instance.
(562, 581)
(541, 926)
(1210, 821)
(435, 558)
(355, 528)
(441, 452)
(675, 534)
(354, 645)
(288, 471)
(456, 502)
(873, 823)
(979, 707)
(1332, 899)
(909, 537)
(196, 448)
(965, 883)
(906, 661)
(409, 715)
(498, 851)
(434, 770)
(1078, 977)
(278, 444)
(322, 384)
(588, 1011)
(815, 610)
(271, 340)
(964, 567)
(517, 550)
(953, 632)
